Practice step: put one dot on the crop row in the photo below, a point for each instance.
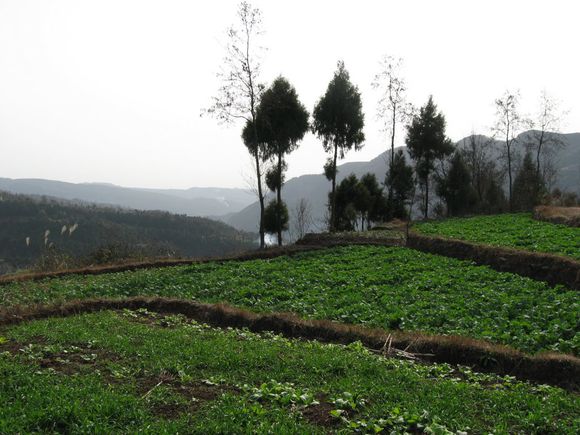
(517, 231)
(139, 372)
(389, 287)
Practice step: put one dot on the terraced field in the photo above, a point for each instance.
(393, 288)
(141, 372)
(517, 231)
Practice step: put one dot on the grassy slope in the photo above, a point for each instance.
(518, 231)
(377, 286)
(104, 369)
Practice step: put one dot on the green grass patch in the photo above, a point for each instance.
(517, 231)
(386, 287)
(124, 373)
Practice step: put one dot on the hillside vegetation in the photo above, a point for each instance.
(103, 233)
(376, 286)
(518, 231)
(80, 374)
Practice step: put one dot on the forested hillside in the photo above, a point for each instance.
(31, 227)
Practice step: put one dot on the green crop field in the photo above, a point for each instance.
(518, 231)
(376, 286)
(140, 372)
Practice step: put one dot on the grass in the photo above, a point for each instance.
(138, 372)
(517, 231)
(387, 287)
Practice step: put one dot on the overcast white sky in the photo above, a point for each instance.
(111, 90)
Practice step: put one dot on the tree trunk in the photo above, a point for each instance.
(261, 199)
(539, 152)
(279, 201)
(333, 195)
(390, 193)
(509, 159)
(427, 196)
(427, 165)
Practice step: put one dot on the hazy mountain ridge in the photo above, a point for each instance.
(315, 187)
(192, 202)
(238, 207)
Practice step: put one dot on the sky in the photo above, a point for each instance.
(112, 90)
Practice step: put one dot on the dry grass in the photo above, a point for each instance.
(558, 215)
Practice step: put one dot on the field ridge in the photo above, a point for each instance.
(551, 368)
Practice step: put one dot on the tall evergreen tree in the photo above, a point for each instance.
(455, 187)
(427, 143)
(376, 205)
(401, 184)
(346, 203)
(338, 120)
(282, 123)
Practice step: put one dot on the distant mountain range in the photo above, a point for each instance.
(197, 201)
(315, 188)
(238, 207)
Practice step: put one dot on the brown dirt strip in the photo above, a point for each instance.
(344, 239)
(99, 270)
(550, 368)
(553, 269)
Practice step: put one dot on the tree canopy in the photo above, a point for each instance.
(427, 143)
(338, 120)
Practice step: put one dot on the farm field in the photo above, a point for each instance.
(138, 371)
(388, 287)
(517, 231)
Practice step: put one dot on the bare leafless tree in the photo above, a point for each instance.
(508, 125)
(477, 151)
(302, 218)
(545, 140)
(392, 106)
(239, 93)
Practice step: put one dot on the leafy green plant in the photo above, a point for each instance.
(385, 287)
(204, 371)
(518, 231)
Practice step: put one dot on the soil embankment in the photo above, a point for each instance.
(556, 369)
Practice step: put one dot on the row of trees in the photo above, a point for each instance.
(465, 177)
(276, 121)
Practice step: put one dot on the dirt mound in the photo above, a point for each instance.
(558, 215)
(556, 369)
(378, 238)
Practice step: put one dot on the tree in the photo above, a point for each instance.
(486, 180)
(302, 218)
(392, 106)
(427, 143)
(476, 154)
(376, 203)
(275, 217)
(400, 182)
(528, 185)
(508, 124)
(238, 95)
(282, 122)
(455, 187)
(545, 139)
(345, 198)
(338, 121)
